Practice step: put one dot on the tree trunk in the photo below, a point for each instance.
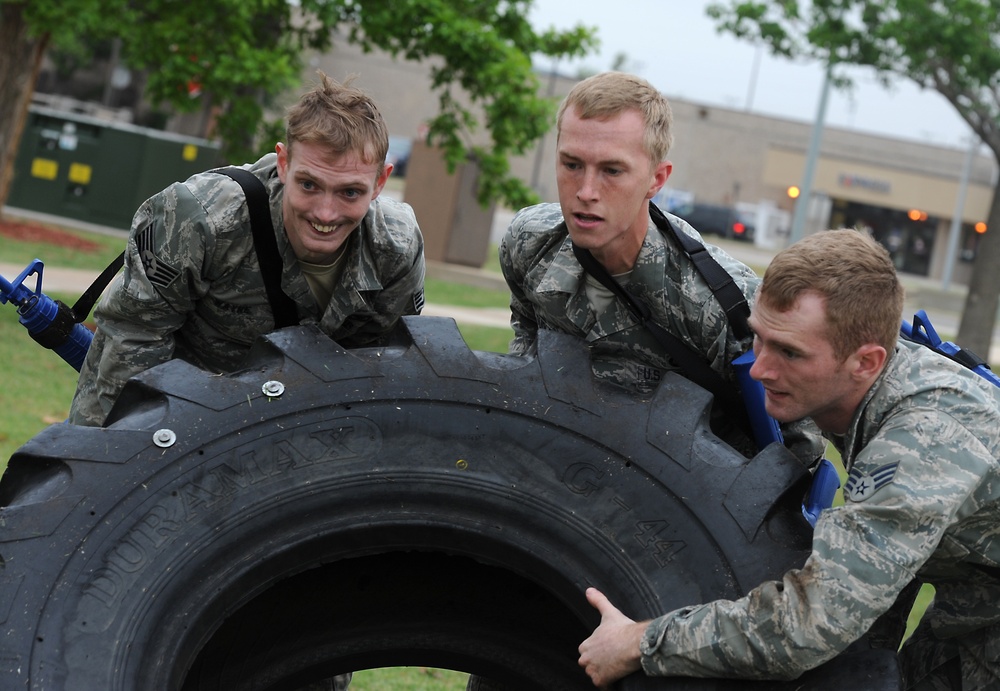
(20, 60)
(980, 311)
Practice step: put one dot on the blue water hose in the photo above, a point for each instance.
(49, 322)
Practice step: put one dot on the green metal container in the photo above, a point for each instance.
(99, 171)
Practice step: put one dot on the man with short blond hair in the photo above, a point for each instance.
(614, 134)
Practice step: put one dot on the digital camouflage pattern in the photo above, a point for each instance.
(191, 287)
(547, 287)
(924, 503)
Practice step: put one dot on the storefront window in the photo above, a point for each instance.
(969, 244)
(910, 242)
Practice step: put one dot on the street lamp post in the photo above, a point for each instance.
(802, 203)
(956, 218)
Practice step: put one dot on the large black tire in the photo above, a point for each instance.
(415, 504)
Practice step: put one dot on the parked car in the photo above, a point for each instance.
(717, 219)
(744, 226)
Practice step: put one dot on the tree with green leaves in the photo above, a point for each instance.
(244, 53)
(948, 46)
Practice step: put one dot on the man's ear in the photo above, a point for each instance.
(381, 179)
(868, 361)
(282, 152)
(660, 175)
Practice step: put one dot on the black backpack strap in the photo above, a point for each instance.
(285, 311)
(719, 280)
(284, 308)
(81, 308)
(692, 365)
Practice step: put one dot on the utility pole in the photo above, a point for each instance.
(802, 203)
(536, 170)
(754, 71)
(956, 218)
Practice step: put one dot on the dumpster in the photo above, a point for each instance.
(99, 171)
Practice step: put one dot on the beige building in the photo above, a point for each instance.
(904, 190)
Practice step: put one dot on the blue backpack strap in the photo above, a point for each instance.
(923, 332)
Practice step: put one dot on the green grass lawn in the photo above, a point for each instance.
(409, 679)
(448, 293)
(478, 337)
(107, 247)
(38, 384)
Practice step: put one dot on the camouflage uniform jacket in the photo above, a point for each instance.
(922, 500)
(192, 288)
(547, 287)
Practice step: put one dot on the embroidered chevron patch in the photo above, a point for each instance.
(860, 486)
(157, 271)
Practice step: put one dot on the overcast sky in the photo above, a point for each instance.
(674, 45)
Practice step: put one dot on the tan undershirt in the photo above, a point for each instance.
(322, 278)
(600, 297)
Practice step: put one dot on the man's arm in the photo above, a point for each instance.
(864, 553)
(135, 328)
(404, 295)
(122, 347)
(522, 312)
(146, 304)
(612, 651)
(390, 254)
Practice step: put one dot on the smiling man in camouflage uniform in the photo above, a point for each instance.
(920, 438)
(352, 261)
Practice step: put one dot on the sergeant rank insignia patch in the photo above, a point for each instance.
(860, 486)
(157, 271)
